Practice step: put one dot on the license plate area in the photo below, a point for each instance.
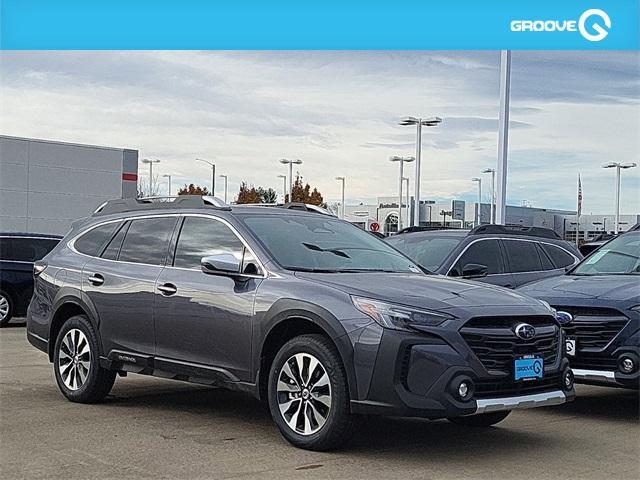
(528, 368)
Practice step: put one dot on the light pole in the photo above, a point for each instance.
(503, 136)
(150, 161)
(225, 187)
(341, 179)
(618, 166)
(284, 187)
(406, 179)
(419, 122)
(401, 160)
(479, 180)
(291, 163)
(213, 175)
(166, 175)
(492, 171)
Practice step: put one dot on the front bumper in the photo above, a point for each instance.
(415, 375)
(606, 378)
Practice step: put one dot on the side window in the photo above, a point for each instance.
(21, 249)
(147, 240)
(560, 257)
(483, 252)
(201, 237)
(523, 256)
(91, 243)
(547, 264)
(113, 249)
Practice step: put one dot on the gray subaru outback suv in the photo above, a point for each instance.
(305, 311)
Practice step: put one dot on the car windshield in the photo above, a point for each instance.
(428, 251)
(319, 243)
(620, 256)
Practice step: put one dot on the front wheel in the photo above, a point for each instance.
(308, 394)
(481, 419)
(76, 364)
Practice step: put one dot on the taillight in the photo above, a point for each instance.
(38, 268)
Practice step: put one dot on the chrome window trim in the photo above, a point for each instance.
(71, 242)
(576, 260)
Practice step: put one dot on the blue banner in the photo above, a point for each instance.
(358, 25)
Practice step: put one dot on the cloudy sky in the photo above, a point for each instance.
(338, 112)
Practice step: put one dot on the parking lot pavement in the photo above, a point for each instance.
(153, 428)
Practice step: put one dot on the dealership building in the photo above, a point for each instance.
(46, 185)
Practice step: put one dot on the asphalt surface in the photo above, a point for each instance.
(153, 428)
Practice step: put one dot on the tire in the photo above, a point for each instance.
(480, 420)
(6, 308)
(311, 409)
(76, 364)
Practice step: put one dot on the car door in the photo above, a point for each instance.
(204, 320)
(526, 261)
(488, 252)
(119, 281)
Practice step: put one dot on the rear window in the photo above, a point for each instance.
(560, 257)
(25, 249)
(427, 251)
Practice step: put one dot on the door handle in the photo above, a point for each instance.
(96, 279)
(167, 289)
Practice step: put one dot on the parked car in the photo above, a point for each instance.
(599, 302)
(595, 243)
(509, 256)
(313, 315)
(18, 251)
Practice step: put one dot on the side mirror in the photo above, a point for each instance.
(221, 264)
(474, 270)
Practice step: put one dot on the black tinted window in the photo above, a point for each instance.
(201, 237)
(483, 252)
(561, 258)
(523, 256)
(112, 250)
(147, 240)
(25, 249)
(428, 251)
(547, 264)
(92, 242)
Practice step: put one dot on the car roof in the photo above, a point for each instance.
(30, 235)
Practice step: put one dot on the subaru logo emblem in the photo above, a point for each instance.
(525, 331)
(564, 318)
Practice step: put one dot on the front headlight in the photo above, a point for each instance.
(398, 317)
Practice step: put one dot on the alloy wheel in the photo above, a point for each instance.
(304, 393)
(74, 359)
(4, 307)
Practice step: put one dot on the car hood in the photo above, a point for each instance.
(602, 287)
(434, 292)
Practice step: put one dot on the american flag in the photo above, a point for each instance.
(579, 196)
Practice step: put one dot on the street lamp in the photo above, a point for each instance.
(166, 175)
(402, 160)
(341, 179)
(225, 187)
(419, 122)
(213, 175)
(618, 166)
(406, 179)
(150, 161)
(479, 180)
(284, 186)
(492, 171)
(291, 163)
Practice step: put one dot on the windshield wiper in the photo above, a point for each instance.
(313, 270)
(317, 248)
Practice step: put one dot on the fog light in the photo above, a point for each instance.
(568, 379)
(627, 365)
(463, 390)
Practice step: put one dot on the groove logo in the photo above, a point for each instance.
(594, 25)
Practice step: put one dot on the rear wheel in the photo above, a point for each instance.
(76, 364)
(6, 308)
(308, 394)
(480, 420)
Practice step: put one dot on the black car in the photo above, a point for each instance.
(595, 243)
(310, 313)
(599, 303)
(18, 251)
(509, 256)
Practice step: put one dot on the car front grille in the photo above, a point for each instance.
(593, 327)
(496, 345)
(502, 388)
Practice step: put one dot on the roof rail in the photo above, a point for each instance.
(515, 230)
(303, 207)
(153, 203)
